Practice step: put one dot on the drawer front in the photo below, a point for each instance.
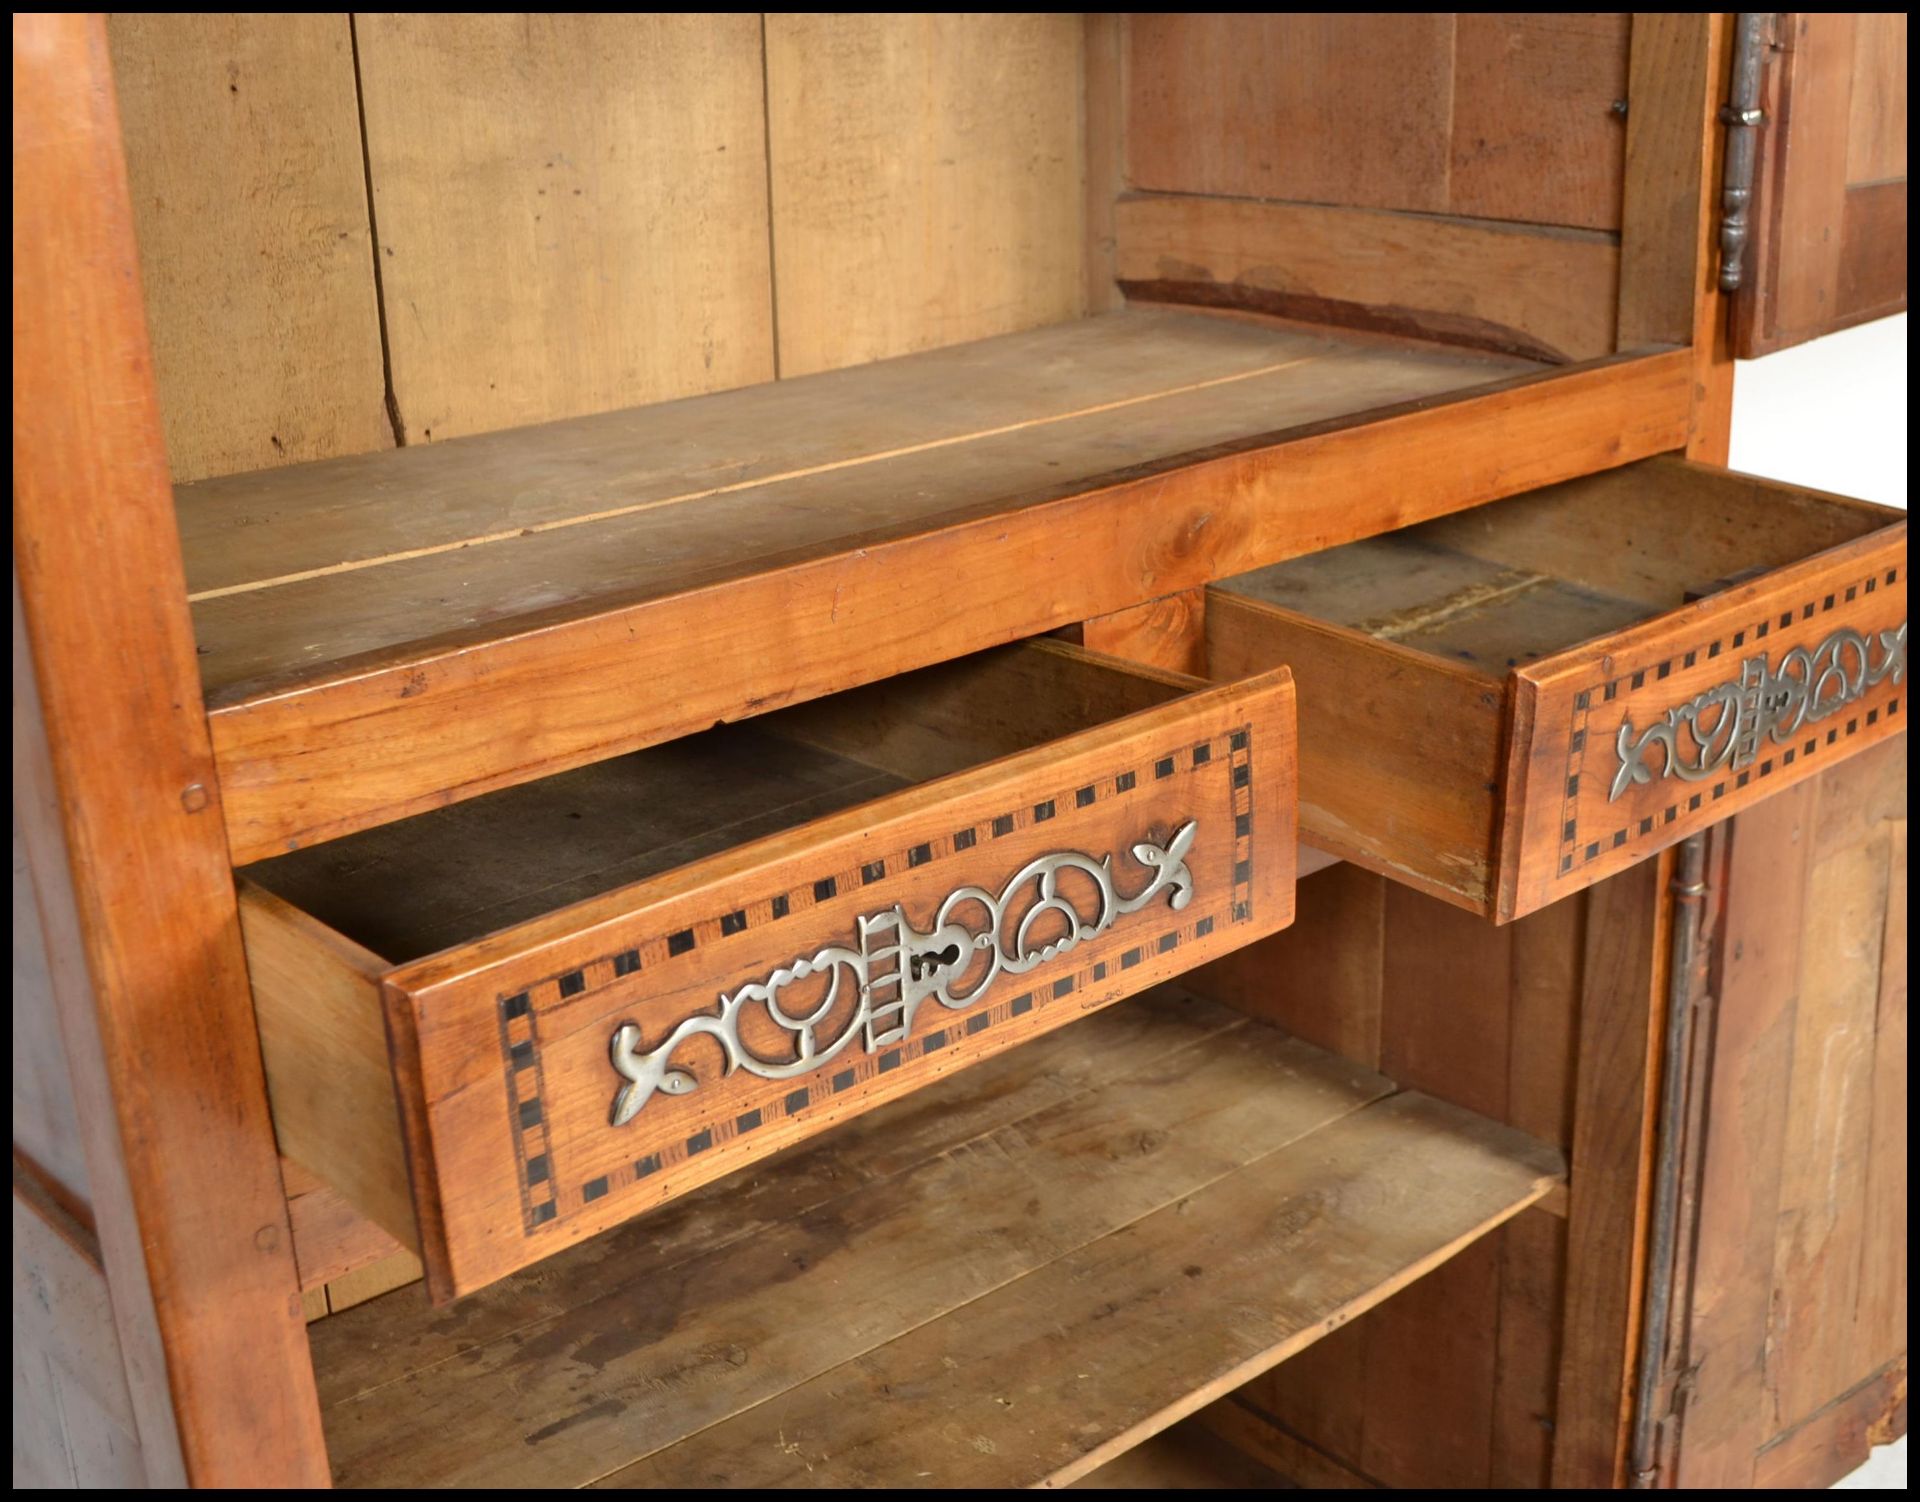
(562, 1077)
(1626, 746)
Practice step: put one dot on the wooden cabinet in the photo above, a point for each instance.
(610, 610)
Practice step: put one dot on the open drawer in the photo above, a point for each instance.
(592, 993)
(1506, 705)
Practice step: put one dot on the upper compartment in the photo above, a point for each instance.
(564, 330)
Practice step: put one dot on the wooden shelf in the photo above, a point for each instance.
(1010, 1277)
(379, 634)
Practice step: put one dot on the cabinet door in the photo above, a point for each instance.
(1830, 184)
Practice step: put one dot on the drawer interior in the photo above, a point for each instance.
(1511, 583)
(449, 877)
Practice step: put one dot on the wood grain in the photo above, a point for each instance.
(1668, 219)
(1063, 1369)
(1167, 633)
(1106, 152)
(1822, 1253)
(572, 212)
(764, 1281)
(1828, 245)
(323, 1040)
(1344, 109)
(119, 804)
(1831, 1444)
(1322, 979)
(1406, 783)
(1536, 134)
(926, 180)
(73, 1421)
(1739, 1185)
(250, 203)
(411, 728)
(1877, 99)
(46, 1121)
(1545, 294)
(1616, 1085)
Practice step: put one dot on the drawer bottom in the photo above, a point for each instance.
(1007, 1278)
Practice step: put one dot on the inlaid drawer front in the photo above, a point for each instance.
(1682, 723)
(1507, 705)
(565, 1073)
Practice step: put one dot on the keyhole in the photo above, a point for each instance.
(926, 963)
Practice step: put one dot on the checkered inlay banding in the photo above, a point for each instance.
(1578, 847)
(519, 1039)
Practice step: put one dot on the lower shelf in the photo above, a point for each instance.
(1011, 1277)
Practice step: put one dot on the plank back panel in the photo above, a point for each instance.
(243, 152)
(571, 212)
(926, 179)
(1505, 117)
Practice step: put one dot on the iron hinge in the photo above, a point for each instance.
(1743, 118)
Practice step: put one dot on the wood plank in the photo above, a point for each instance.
(46, 1121)
(1815, 1348)
(62, 1310)
(1184, 1458)
(250, 204)
(1808, 197)
(1882, 1316)
(323, 1040)
(845, 612)
(1671, 162)
(524, 169)
(1532, 1312)
(330, 1237)
(1409, 790)
(1622, 1005)
(746, 1286)
(1106, 148)
(985, 420)
(1165, 633)
(926, 178)
(1342, 109)
(1322, 979)
(1877, 106)
(1545, 294)
(1053, 1374)
(1830, 1444)
(1759, 950)
(1873, 255)
(852, 1160)
(1239, 1421)
(1536, 133)
(119, 803)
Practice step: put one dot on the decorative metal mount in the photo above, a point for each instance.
(1728, 725)
(896, 967)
